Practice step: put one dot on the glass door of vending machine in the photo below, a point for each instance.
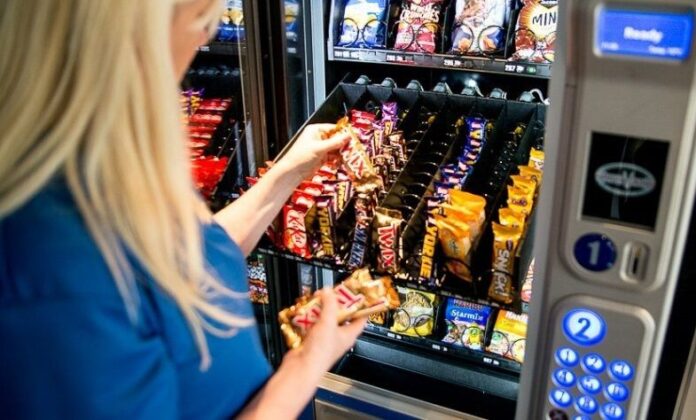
(222, 100)
(452, 117)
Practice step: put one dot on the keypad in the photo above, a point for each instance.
(588, 385)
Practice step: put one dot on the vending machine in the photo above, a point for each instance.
(571, 123)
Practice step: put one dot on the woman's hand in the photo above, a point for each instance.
(297, 379)
(326, 342)
(312, 149)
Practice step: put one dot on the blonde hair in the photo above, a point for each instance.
(89, 90)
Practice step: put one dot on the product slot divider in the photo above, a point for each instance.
(508, 115)
(435, 104)
(524, 252)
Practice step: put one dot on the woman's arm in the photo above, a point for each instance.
(246, 219)
(292, 387)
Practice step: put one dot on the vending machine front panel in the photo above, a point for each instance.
(618, 194)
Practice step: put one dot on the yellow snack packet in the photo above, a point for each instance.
(536, 159)
(455, 240)
(416, 314)
(520, 200)
(531, 172)
(505, 242)
(511, 218)
(464, 215)
(473, 202)
(527, 183)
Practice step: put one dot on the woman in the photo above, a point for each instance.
(120, 295)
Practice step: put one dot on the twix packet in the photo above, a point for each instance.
(387, 235)
(360, 295)
(505, 242)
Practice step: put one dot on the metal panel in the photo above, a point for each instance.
(401, 406)
(632, 98)
(686, 404)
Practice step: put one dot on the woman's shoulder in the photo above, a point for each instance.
(46, 251)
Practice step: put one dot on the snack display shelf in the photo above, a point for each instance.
(343, 271)
(441, 61)
(224, 48)
(439, 347)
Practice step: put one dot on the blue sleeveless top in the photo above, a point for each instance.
(68, 348)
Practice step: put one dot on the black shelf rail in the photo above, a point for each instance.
(224, 48)
(441, 61)
(461, 353)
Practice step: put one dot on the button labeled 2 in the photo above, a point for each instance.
(584, 327)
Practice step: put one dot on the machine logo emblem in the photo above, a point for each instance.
(625, 179)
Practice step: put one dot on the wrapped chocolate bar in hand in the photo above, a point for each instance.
(360, 295)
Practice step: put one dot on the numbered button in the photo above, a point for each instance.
(616, 391)
(612, 411)
(621, 370)
(595, 252)
(586, 405)
(593, 363)
(584, 327)
(590, 384)
(565, 356)
(564, 378)
(561, 398)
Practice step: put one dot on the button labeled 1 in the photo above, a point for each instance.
(565, 356)
(595, 252)
(584, 327)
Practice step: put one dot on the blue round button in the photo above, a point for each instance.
(564, 378)
(565, 356)
(586, 404)
(616, 391)
(621, 370)
(581, 418)
(590, 384)
(595, 252)
(584, 327)
(561, 398)
(593, 363)
(612, 411)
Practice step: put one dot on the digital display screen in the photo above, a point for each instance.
(655, 35)
(624, 179)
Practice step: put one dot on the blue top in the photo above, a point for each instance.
(68, 348)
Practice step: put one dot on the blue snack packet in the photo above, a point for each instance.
(292, 12)
(364, 24)
(466, 323)
(232, 22)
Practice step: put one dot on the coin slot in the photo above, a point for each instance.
(635, 262)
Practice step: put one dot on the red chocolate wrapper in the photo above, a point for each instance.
(295, 237)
